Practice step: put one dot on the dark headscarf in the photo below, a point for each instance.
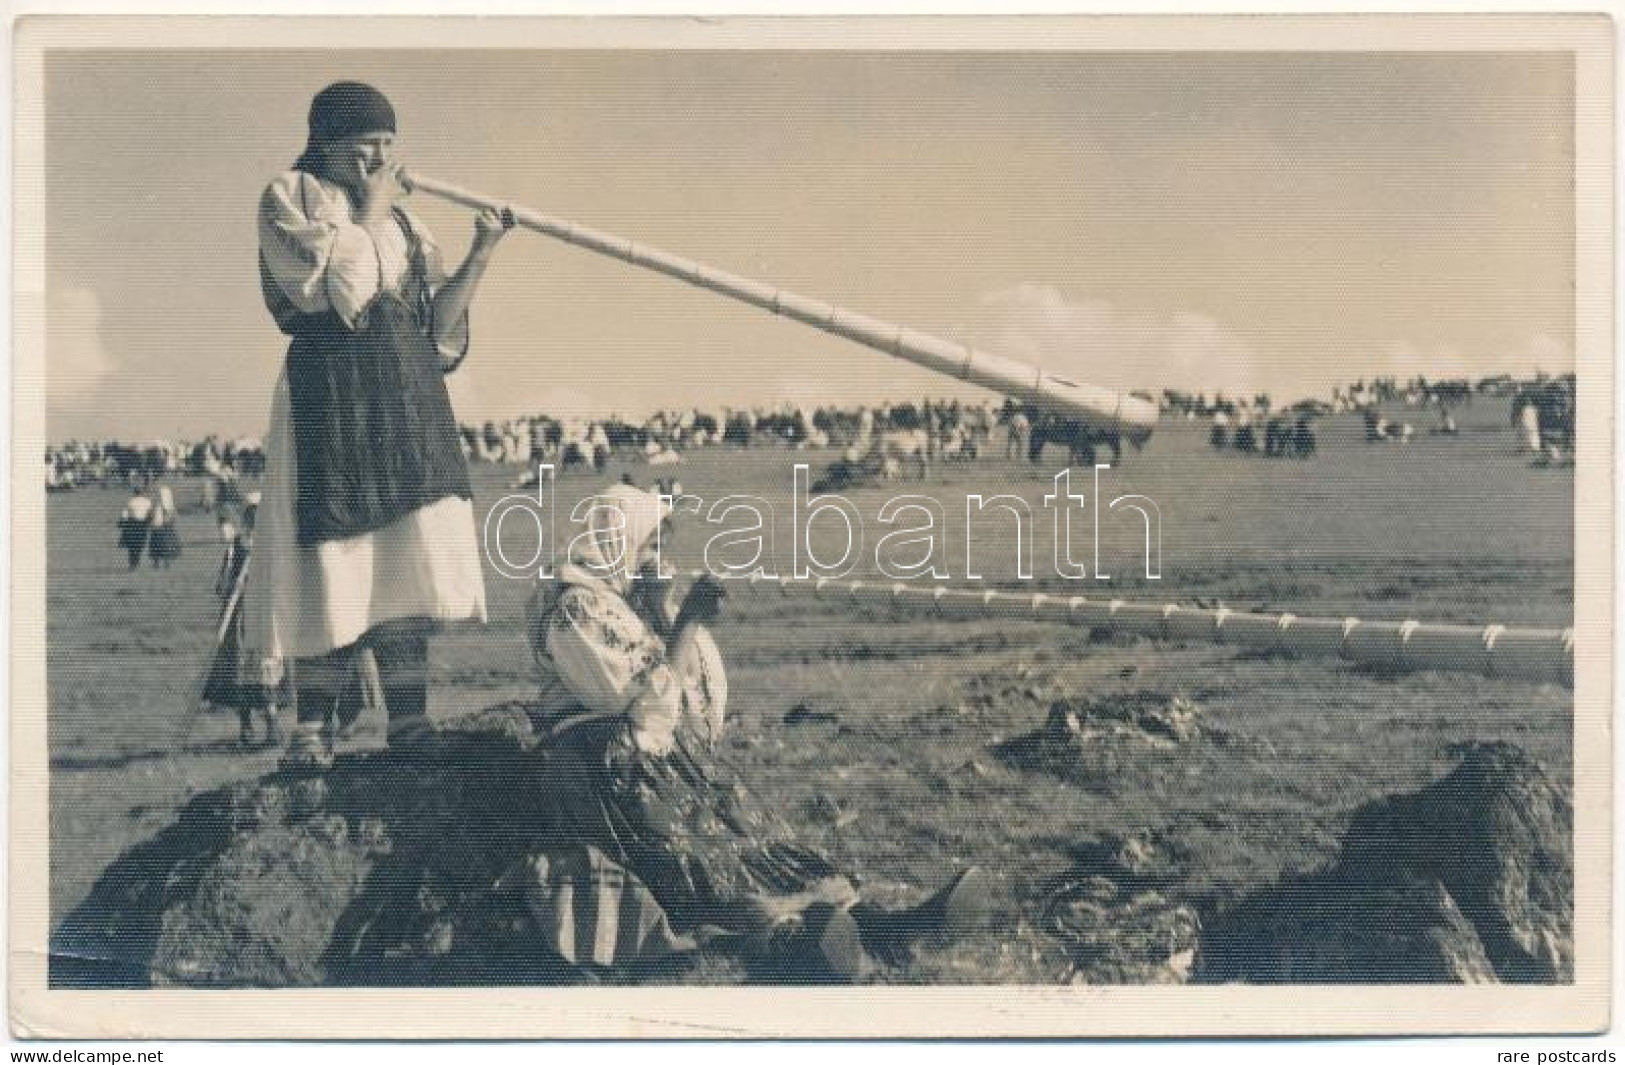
(344, 109)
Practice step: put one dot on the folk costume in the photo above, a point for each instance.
(632, 730)
(366, 535)
(636, 786)
(237, 679)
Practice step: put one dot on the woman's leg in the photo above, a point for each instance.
(403, 670)
(317, 683)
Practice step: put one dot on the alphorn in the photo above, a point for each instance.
(1102, 408)
(1544, 655)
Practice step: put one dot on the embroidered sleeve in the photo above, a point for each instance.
(604, 655)
(318, 257)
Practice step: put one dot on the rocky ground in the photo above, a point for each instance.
(398, 868)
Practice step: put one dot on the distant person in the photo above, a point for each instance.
(1275, 436)
(164, 541)
(1246, 440)
(1018, 430)
(240, 679)
(1529, 427)
(1303, 437)
(135, 526)
(1374, 425)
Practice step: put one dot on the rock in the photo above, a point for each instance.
(1498, 834)
(379, 871)
(1139, 859)
(826, 810)
(332, 829)
(802, 714)
(1124, 937)
(373, 835)
(1325, 930)
(1092, 737)
(438, 940)
(1153, 716)
(1114, 916)
(307, 797)
(1468, 880)
(262, 915)
(256, 806)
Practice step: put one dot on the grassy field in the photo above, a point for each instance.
(900, 775)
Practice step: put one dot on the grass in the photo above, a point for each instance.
(897, 772)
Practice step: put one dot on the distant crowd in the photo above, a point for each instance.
(1542, 412)
(80, 463)
(947, 428)
(883, 439)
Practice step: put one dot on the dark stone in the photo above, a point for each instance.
(378, 872)
(1469, 879)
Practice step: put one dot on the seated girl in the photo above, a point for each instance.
(633, 698)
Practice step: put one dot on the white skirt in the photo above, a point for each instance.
(305, 601)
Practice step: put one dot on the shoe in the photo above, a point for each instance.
(821, 946)
(410, 731)
(964, 905)
(308, 751)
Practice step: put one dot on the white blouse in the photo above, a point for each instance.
(595, 654)
(322, 259)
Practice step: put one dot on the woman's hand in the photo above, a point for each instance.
(451, 302)
(653, 597)
(704, 601)
(490, 227)
(379, 190)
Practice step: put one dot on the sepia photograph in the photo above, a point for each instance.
(1036, 527)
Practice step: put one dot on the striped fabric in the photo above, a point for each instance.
(591, 911)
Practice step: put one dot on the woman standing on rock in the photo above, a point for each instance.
(366, 536)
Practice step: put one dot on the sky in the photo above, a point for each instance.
(1281, 221)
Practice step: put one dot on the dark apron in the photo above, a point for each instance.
(373, 430)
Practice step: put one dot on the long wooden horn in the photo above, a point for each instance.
(1544, 655)
(1102, 408)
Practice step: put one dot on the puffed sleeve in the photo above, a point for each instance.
(454, 348)
(611, 663)
(317, 256)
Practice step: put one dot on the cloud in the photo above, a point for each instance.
(1098, 343)
(77, 360)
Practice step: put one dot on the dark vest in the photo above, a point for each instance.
(373, 430)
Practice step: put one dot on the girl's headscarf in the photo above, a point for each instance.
(622, 522)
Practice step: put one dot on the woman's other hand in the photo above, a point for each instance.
(490, 227)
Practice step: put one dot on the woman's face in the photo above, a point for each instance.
(351, 159)
(649, 556)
